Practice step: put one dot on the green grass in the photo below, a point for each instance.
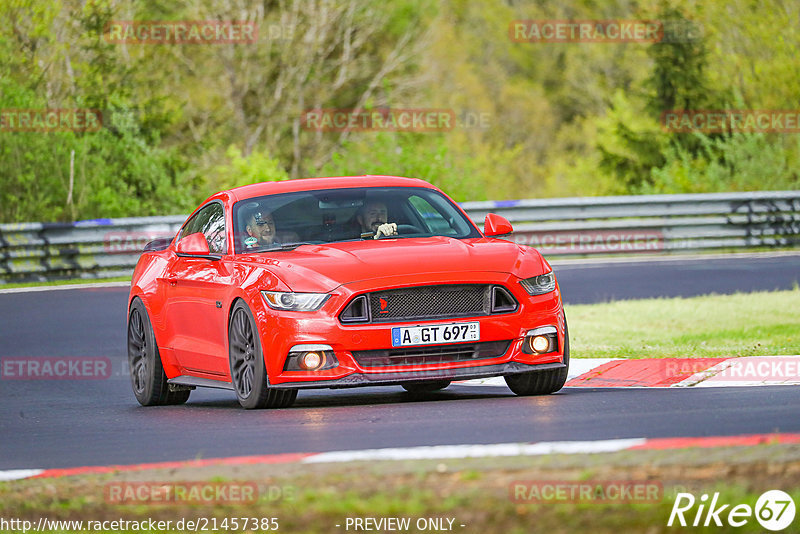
(751, 324)
(474, 492)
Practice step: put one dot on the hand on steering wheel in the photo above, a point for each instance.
(386, 230)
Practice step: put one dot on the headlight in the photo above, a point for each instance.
(304, 302)
(539, 285)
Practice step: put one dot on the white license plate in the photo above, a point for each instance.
(431, 334)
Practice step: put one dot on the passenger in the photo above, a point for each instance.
(260, 229)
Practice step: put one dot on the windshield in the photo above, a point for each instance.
(287, 220)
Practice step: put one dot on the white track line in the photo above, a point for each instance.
(442, 452)
(439, 452)
(34, 289)
(17, 474)
(450, 452)
(577, 367)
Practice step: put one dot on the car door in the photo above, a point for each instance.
(195, 293)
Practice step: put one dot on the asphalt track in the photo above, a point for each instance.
(64, 423)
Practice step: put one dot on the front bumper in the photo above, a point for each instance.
(395, 378)
(281, 331)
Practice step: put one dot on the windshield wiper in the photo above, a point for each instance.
(280, 246)
(292, 246)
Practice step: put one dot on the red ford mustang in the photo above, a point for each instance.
(340, 282)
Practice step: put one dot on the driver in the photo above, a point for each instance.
(373, 216)
(260, 229)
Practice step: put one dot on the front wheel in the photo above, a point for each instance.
(147, 373)
(541, 382)
(248, 372)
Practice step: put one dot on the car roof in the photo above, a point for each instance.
(312, 184)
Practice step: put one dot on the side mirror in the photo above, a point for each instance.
(495, 225)
(193, 245)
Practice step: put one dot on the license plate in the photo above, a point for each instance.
(435, 333)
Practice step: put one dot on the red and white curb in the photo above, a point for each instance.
(675, 372)
(439, 452)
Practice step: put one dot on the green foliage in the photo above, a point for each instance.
(679, 63)
(422, 156)
(117, 171)
(734, 162)
(630, 143)
(242, 170)
(433, 157)
(565, 119)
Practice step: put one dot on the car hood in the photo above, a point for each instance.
(323, 268)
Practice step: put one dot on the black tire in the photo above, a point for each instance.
(178, 397)
(248, 372)
(148, 380)
(425, 386)
(541, 382)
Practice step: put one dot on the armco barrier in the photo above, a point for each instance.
(558, 227)
(98, 248)
(651, 223)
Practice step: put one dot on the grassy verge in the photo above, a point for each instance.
(483, 495)
(752, 324)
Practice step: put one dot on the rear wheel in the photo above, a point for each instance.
(147, 373)
(425, 386)
(248, 372)
(541, 382)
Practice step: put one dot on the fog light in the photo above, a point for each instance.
(310, 357)
(542, 340)
(312, 360)
(540, 344)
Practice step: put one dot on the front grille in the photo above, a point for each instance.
(429, 302)
(430, 355)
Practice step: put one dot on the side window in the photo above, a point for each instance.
(432, 217)
(188, 227)
(211, 222)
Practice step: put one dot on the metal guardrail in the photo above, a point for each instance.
(582, 226)
(651, 223)
(100, 248)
